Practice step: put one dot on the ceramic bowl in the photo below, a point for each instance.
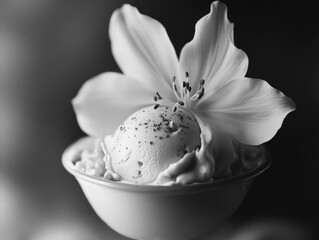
(147, 212)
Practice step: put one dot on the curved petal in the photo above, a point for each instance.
(106, 100)
(143, 50)
(249, 109)
(212, 55)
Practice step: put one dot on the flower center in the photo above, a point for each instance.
(183, 95)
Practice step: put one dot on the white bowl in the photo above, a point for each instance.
(162, 212)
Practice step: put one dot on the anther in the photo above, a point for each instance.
(155, 98)
(184, 84)
(201, 94)
(181, 103)
(156, 106)
(187, 75)
(159, 96)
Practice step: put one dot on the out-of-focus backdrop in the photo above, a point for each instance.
(49, 48)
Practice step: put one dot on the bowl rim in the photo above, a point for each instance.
(72, 152)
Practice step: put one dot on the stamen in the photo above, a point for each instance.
(156, 106)
(175, 87)
(201, 83)
(183, 95)
(176, 106)
(187, 76)
(181, 103)
(159, 96)
(184, 84)
(174, 79)
(200, 92)
(195, 97)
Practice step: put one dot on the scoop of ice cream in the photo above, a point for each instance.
(150, 140)
(208, 163)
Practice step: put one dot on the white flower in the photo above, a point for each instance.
(248, 109)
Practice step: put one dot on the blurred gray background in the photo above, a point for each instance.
(49, 48)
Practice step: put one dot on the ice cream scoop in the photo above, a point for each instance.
(150, 140)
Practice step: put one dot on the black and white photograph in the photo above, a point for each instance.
(159, 120)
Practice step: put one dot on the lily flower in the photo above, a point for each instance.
(208, 78)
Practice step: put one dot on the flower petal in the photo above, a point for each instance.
(249, 109)
(106, 100)
(212, 55)
(143, 50)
